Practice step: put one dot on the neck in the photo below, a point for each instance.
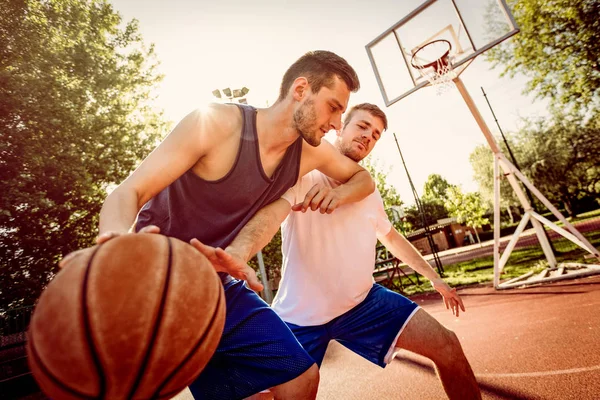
(275, 128)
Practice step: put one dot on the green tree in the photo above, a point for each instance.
(75, 119)
(433, 211)
(432, 201)
(272, 258)
(561, 157)
(434, 189)
(468, 208)
(558, 48)
(482, 161)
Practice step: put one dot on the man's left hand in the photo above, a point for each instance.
(451, 298)
(224, 261)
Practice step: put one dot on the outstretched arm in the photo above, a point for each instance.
(357, 182)
(404, 250)
(255, 235)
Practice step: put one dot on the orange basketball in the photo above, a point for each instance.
(136, 317)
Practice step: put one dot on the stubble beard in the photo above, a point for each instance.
(305, 121)
(348, 151)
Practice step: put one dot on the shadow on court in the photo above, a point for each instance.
(486, 388)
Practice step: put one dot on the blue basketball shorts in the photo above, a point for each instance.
(257, 350)
(370, 329)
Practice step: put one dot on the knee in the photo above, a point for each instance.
(450, 349)
(311, 376)
(304, 387)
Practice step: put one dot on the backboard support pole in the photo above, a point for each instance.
(513, 176)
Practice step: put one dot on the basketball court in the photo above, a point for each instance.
(539, 342)
(535, 343)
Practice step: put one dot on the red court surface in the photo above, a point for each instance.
(541, 342)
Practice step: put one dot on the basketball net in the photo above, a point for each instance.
(434, 63)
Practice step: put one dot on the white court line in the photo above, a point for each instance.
(541, 373)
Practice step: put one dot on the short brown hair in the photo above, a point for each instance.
(371, 109)
(319, 68)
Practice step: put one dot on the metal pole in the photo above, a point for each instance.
(539, 229)
(265, 280)
(514, 160)
(436, 258)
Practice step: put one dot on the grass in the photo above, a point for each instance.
(521, 261)
(586, 215)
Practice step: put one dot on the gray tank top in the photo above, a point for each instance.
(214, 212)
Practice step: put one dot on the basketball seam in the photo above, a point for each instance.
(192, 352)
(157, 323)
(87, 327)
(49, 374)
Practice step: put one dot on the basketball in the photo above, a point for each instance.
(138, 317)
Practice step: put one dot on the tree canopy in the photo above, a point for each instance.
(559, 156)
(75, 119)
(434, 189)
(389, 194)
(482, 160)
(468, 208)
(557, 48)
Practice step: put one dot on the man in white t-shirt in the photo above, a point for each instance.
(327, 291)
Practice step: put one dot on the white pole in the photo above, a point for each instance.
(508, 168)
(496, 221)
(265, 281)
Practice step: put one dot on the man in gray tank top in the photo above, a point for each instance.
(210, 175)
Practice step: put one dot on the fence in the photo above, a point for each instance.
(15, 378)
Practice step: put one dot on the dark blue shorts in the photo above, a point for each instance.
(257, 350)
(369, 329)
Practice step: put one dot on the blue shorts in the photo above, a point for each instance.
(369, 329)
(257, 350)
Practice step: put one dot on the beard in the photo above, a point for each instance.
(305, 123)
(349, 151)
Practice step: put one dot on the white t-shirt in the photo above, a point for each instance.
(328, 259)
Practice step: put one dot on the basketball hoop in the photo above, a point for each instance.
(434, 63)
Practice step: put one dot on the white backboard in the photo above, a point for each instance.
(471, 27)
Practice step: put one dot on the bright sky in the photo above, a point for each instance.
(204, 45)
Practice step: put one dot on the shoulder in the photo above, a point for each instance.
(223, 118)
(314, 157)
(321, 150)
(212, 125)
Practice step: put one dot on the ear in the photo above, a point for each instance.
(300, 88)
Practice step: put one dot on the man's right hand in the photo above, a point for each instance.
(226, 261)
(102, 238)
(320, 197)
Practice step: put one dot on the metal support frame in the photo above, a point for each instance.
(514, 176)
